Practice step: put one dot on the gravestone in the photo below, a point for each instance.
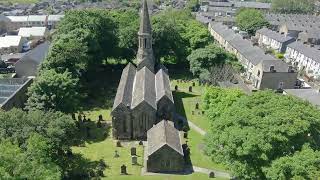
(133, 151)
(118, 144)
(116, 155)
(176, 87)
(79, 117)
(134, 160)
(88, 132)
(190, 88)
(197, 106)
(123, 169)
(211, 175)
(99, 125)
(73, 116)
(185, 135)
(140, 143)
(100, 118)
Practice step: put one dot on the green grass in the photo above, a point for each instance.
(198, 158)
(185, 102)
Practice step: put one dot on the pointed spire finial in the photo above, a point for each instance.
(145, 26)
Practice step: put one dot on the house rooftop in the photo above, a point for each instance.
(274, 35)
(279, 66)
(310, 95)
(9, 41)
(308, 51)
(32, 31)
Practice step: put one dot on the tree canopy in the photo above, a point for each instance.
(256, 132)
(54, 91)
(250, 20)
(33, 144)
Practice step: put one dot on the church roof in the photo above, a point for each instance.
(144, 88)
(163, 134)
(124, 92)
(145, 25)
(163, 85)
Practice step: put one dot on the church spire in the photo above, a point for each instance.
(145, 26)
(145, 56)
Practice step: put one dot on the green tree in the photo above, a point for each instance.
(33, 163)
(217, 100)
(128, 26)
(302, 164)
(68, 53)
(54, 91)
(203, 58)
(258, 129)
(250, 20)
(100, 38)
(293, 6)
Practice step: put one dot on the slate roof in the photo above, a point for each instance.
(144, 88)
(124, 92)
(279, 65)
(310, 52)
(274, 35)
(161, 134)
(253, 53)
(163, 86)
(294, 21)
(311, 95)
(238, 4)
(28, 64)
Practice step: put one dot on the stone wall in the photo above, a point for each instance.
(165, 159)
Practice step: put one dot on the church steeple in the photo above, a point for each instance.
(145, 53)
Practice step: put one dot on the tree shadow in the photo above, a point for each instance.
(90, 132)
(80, 168)
(101, 86)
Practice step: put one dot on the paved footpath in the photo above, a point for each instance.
(196, 128)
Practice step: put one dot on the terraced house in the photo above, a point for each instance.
(260, 67)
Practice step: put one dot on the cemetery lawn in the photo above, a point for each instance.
(185, 102)
(101, 146)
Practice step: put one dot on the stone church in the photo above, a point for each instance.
(143, 97)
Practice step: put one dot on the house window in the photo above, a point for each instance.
(258, 73)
